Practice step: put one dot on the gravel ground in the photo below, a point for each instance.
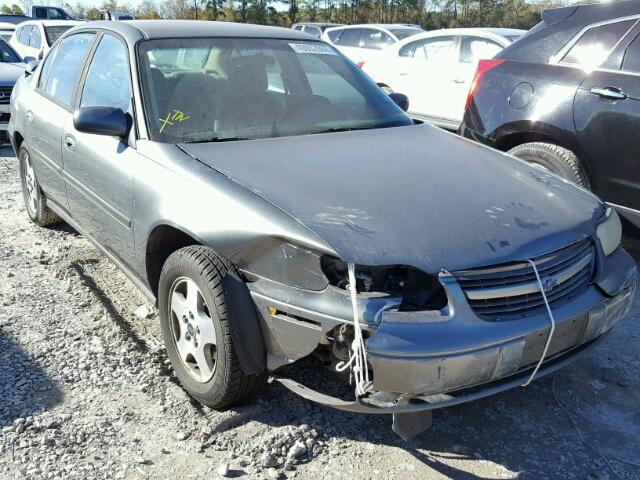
(86, 392)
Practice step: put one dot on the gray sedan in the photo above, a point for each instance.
(276, 204)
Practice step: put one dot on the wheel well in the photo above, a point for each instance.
(163, 241)
(17, 141)
(508, 142)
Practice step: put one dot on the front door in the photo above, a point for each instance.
(49, 109)
(421, 71)
(607, 118)
(98, 167)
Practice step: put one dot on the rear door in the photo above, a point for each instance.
(472, 50)
(50, 110)
(607, 119)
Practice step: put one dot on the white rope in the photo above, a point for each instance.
(551, 319)
(358, 359)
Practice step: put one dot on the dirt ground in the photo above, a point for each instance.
(86, 392)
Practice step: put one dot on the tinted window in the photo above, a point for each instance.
(108, 82)
(7, 54)
(595, 44)
(298, 27)
(258, 88)
(403, 33)
(36, 38)
(376, 39)
(41, 12)
(631, 61)
(350, 37)
(53, 33)
(474, 49)
(65, 66)
(435, 48)
(24, 35)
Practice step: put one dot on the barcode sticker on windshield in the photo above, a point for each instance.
(312, 48)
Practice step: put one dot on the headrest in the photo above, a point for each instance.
(249, 74)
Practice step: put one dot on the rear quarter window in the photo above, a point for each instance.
(595, 45)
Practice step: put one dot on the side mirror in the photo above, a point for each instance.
(31, 64)
(108, 121)
(400, 99)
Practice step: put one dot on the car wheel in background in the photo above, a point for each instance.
(34, 198)
(196, 329)
(554, 158)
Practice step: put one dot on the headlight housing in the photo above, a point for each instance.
(609, 231)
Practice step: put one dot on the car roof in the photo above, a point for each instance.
(157, 29)
(13, 19)
(495, 33)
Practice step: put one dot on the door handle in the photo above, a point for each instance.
(403, 74)
(29, 116)
(611, 93)
(70, 142)
(459, 80)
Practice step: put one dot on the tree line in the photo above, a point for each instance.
(429, 14)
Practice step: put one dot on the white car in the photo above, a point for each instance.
(35, 37)
(363, 43)
(435, 69)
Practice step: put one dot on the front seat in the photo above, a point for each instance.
(249, 109)
(192, 107)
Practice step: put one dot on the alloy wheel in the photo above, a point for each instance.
(31, 185)
(192, 329)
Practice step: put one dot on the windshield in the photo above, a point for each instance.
(53, 33)
(216, 89)
(403, 33)
(7, 55)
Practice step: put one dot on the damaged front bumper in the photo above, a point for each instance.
(428, 360)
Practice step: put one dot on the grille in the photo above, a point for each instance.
(5, 95)
(511, 290)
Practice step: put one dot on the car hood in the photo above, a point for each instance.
(10, 73)
(410, 196)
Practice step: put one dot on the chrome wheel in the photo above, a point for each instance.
(30, 185)
(192, 329)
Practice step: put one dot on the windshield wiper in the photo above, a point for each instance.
(217, 139)
(348, 129)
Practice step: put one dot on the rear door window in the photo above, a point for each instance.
(595, 45)
(474, 49)
(351, 37)
(631, 62)
(376, 39)
(62, 75)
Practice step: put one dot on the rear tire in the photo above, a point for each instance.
(554, 158)
(197, 330)
(34, 198)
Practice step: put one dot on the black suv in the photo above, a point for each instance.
(566, 96)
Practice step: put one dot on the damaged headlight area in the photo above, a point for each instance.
(417, 289)
(609, 231)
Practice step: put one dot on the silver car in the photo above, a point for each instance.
(277, 204)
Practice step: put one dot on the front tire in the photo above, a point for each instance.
(34, 199)
(197, 331)
(554, 158)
